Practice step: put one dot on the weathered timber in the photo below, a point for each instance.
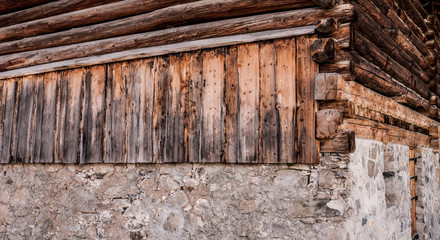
(331, 87)
(187, 33)
(114, 134)
(343, 36)
(212, 107)
(8, 97)
(195, 82)
(372, 77)
(373, 32)
(268, 115)
(343, 142)
(7, 6)
(327, 123)
(413, 14)
(161, 88)
(70, 97)
(161, 50)
(434, 131)
(22, 131)
(93, 115)
(248, 58)
(177, 15)
(323, 50)
(346, 108)
(286, 97)
(325, 3)
(175, 124)
(43, 137)
(49, 9)
(326, 25)
(368, 129)
(388, 65)
(306, 146)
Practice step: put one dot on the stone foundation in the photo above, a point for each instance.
(364, 195)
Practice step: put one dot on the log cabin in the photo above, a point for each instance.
(219, 119)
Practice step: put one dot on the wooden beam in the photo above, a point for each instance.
(49, 9)
(326, 25)
(160, 50)
(325, 3)
(171, 16)
(327, 123)
(330, 87)
(234, 26)
(7, 6)
(343, 142)
(323, 50)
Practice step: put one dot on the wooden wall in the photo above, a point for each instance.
(248, 103)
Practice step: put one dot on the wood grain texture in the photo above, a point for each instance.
(231, 105)
(114, 134)
(22, 129)
(43, 137)
(287, 94)
(248, 58)
(175, 124)
(93, 115)
(212, 107)
(8, 106)
(306, 71)
(69, 116)
(7, 6)
(193, 118)
(269, 117)
(161, 88)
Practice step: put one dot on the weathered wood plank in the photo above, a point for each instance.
(248, 57)
(212, 107)
(114, 134)
(146, 95)
(307, 147)
(273, 21)
(131, 76)
(8, 105)
(195, 84)
(69, 116)
(93, 115)
(175, 124)
(231, 105)
(43, 143)
(269, 118)
(22, 129)
(161, 87)
(286, 93)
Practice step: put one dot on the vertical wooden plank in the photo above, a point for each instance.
(286, 97)
(114, 135)
(248, 72)
(8, 104)
(212, 115)
(161, 84)
(231, 102)
(24, 109)
(2, 113)
(69, 115)
(43, 137)
(194, 81)
(131, 74)
(145, 138)
(412, 172)
(269, 118)
(307, 147)
(175, 124)
(93, 115)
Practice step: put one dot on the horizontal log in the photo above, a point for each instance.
(373, 32)
(412, 12)
(346, 108)
(325, 3)
(160, 50)
(373, 54)
(289, 19)
(343, 142)
(327, 123)
(49, 9)
(434, 132)
(177, 15)
(7, 6)
(385, 133)
(332, 87)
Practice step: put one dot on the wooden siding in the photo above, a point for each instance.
(248, 103)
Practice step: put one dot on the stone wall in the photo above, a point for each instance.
(364, 195)
(186, 201)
